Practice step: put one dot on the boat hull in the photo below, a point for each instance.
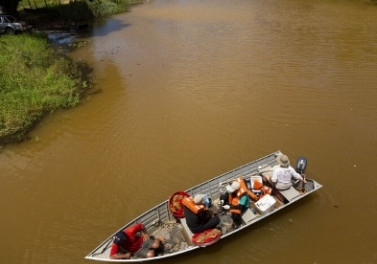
(159, 221)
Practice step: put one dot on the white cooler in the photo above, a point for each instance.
(266, 204)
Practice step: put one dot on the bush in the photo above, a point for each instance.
(81, 10)
(34, 80)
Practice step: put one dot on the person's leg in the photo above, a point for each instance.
(145, 250)
(212, 223)
(151, 253)
(157, 247)
(237, 220)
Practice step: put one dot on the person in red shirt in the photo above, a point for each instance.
(135, 241)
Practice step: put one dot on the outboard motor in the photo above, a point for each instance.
(301, 164)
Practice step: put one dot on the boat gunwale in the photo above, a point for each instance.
(190, 190)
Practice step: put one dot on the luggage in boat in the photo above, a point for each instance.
(256, 184)
(266, 204)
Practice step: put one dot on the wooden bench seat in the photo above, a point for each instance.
(188, 234)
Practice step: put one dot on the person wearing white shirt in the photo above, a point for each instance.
(282, 176)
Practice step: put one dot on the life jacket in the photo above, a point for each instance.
(266, 190)
(258, 188)
(234, 200)
(243, 189)
(195, 208)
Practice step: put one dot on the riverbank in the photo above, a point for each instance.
(71, 15)
(35, 80)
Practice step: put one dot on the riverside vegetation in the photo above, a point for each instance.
(53, 12)
(35, 79)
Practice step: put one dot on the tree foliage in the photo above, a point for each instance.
(9, 6)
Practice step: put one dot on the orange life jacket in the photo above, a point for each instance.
(243, 189)
(234, 200)
(257, 185)
(266, 190)
(195, 208)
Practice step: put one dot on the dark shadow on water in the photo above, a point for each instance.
(71, 37)
(106, 26)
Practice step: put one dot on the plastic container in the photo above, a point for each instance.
(256, 188)
(266, 204)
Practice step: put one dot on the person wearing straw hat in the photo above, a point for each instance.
(283, 175)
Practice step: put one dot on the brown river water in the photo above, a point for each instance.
(190, 90)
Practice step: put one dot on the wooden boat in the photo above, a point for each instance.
(162, 220)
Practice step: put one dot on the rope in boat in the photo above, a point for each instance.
(169, 224)
(174, 243)
(104, 249)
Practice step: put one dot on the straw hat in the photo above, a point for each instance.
(283, 160)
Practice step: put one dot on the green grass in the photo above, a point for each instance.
(34, 80)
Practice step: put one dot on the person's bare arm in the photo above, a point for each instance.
(121, 256)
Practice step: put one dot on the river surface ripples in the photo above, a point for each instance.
(188, 91)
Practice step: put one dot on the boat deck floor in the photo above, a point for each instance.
(179, 237)
(176, 239)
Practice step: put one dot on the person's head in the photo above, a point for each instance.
(120, 237)
(202, 199)
(233, 187)
(283, 161)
